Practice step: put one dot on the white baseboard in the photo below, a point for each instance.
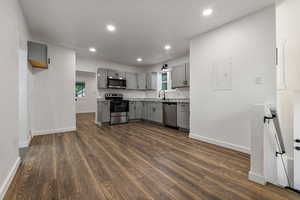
(220, 143)
(24, 144)
(47, 132)
(4, 187)
(257, 178)
(85, 112)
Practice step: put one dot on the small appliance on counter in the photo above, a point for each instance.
(119, 108)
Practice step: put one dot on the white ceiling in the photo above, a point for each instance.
(143, 26)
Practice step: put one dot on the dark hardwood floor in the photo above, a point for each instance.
(134, 161)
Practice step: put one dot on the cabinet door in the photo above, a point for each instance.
(37, 54)
(183, 115)
(102, 78)
(157, 115)
(138, 110)
(132, 110)
(151, 81)
(131, 81)
(141, 81)
(154, 81)
(105, 111)
(145, 110)
(178, 76)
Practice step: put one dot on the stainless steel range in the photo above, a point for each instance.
(119, 108)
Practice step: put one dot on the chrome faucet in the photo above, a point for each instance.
(164, 94)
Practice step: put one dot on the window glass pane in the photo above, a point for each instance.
(164, 77)
(164, 86)
(80, 89)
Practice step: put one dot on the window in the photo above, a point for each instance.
(164, 81)
(80, 89)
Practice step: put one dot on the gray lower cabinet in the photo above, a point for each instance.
(183, 115)
(152, 111)
(103, 113)
(132, 110)
(131, 81)
(138, 110)
(135, 110)
(156, 112)
(102, 78)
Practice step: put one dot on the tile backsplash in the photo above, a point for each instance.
(171, 94)
(183, 93)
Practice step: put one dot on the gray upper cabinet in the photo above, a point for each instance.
(183, 115)
(131, 81)
(180, 76)
(116, 74)
(151, 81)
(38, 55)
(102, 78)
(134, 81)
(141, 81)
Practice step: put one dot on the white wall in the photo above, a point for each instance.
(288, 43)
(180, 93)
(13, 38)
(88, 103)
(223, 117)
(53, 92)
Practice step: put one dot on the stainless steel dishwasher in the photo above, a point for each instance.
(170, 114)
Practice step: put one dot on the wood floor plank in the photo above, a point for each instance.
(134, 161)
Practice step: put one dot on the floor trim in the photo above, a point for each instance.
(9, 178)
(256, 178)
(24, 144)
(47, 132)
(220, 143)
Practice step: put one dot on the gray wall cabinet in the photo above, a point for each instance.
(183, 115)
(134, 81)
(103, 111)
(116, 74)
(151, 81)
(37, 55)
(180, 76)
(141, 81)
(102, 78)
(131, 81)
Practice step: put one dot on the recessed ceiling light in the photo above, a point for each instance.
(207, 12)
(92, 49)
(139, 59)
(110, 28)
(167, 47)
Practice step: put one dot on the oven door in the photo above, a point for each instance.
(116, 83)
(119, 106)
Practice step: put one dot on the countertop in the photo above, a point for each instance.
(153, 100)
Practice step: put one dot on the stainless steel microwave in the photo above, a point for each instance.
(116, 83)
